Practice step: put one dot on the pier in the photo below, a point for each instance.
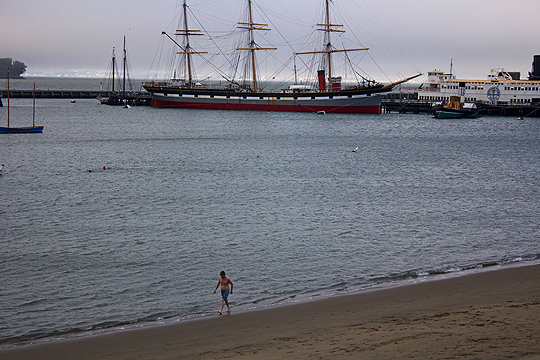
(413, 106)
(55, 94)
(532, 110)
(406, 106)
(129, 97)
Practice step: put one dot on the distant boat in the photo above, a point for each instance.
(455, 109)
(122, 97)
(27, 129)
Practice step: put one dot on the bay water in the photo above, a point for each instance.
(118, 217)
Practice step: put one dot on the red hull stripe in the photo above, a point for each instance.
(368, 109)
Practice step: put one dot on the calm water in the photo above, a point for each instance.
(278, 200)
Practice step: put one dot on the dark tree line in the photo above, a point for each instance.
(16, 68)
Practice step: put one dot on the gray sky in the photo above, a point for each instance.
(76, 37)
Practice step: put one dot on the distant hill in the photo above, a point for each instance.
(16, 68)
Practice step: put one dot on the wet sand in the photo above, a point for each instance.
(488, 315)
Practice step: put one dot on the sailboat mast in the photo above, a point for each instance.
(34, 106)
(8, 98)
(113, 69)
(124, 69)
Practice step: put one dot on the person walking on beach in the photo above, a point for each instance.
(224, 281)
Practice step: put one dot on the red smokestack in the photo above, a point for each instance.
(322, 80)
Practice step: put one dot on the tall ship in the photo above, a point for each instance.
(324, 92)
(500, 88)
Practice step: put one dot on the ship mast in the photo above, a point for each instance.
(328, 28)
(186, 50)
(252, 46)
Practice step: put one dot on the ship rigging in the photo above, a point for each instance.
(326, 94)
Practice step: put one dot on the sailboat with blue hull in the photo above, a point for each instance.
(26, 129)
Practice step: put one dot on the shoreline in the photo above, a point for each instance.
(250, 307)
(485, 315)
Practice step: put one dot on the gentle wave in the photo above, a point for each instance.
(261, 303)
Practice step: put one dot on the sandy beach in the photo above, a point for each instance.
(487, 315)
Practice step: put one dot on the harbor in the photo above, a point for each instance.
(502, 93)
(366, 173)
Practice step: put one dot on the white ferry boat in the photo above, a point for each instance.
(500, 87)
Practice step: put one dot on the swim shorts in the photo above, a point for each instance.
(225, 294)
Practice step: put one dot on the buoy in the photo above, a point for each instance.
(104, 168)
(73, 101)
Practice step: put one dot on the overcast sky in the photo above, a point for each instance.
(76, 37)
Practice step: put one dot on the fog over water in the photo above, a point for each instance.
(60, 37)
